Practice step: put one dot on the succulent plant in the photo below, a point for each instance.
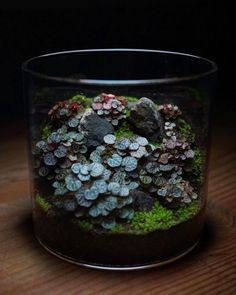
(104, 176)
(111, 107)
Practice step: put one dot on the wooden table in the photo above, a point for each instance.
(25, 268)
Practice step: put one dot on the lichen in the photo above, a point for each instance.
(42, 203)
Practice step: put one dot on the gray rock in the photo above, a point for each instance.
(146, 119)
(95, 128)
(141, 200)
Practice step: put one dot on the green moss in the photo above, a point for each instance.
(84, 225)
(42, 203)
(186, 130)
(132, 98)
(82, 99)
(124, 131)
(197, 164)
(46, 131)
(118, 228)
(159, 218)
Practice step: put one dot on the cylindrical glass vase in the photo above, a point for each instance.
(118, 142)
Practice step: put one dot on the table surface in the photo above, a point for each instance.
(25, 268)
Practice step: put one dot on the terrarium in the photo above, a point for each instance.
(118, 145)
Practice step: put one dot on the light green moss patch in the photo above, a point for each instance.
(159, 218)
(124, 131)
(42, 203)
(132, 99)
(46, 131)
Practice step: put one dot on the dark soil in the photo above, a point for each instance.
(107, 249)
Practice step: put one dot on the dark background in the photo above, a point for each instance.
(204, 28)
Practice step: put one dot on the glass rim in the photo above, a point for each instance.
(128, 82)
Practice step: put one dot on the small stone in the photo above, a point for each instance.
(95, 128)
(146, 119)
(109, 139)
(141, 200)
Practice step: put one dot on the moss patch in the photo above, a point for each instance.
(46, 131)
(159, 218)
(186, 130)
(124, 131)
(42, 203)
(197, 164)
(82, 99)
(84, 225)
(132, 98)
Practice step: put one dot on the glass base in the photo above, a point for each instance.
(119, 267)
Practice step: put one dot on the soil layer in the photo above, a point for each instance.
(111, 249)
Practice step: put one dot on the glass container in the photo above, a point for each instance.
(118, 149)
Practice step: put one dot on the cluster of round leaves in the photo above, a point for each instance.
(110, 107)
(96, 184)
(170, 110)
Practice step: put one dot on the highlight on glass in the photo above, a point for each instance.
(118, 149)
